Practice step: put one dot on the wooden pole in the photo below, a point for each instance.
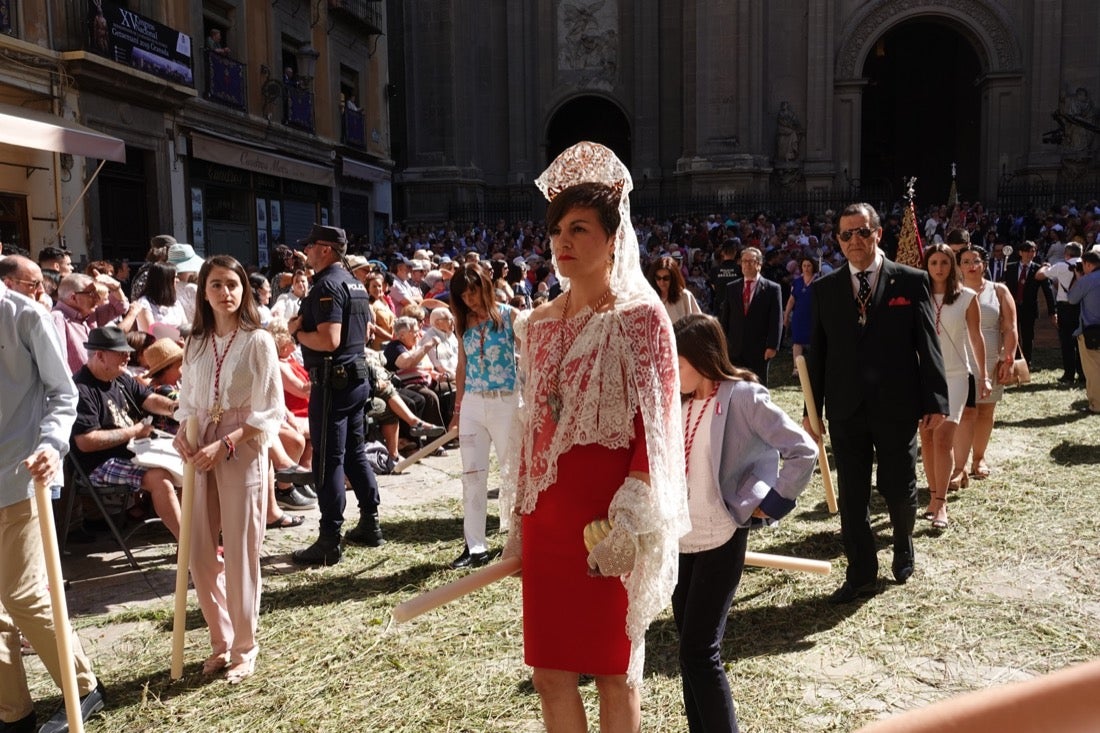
(783, 562)
(427, 450)
(456, 589)
(183, 556)
(815, 423)
(62, 629)
(444, 594)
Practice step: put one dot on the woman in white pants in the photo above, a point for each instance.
(486, 403)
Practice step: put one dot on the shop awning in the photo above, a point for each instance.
(30, 128)
(260, 161)
(364, 171)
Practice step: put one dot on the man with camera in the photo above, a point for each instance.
(332, 328)
(1086, 293)
(1061, 276)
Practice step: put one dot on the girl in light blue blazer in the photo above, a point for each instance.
(734, 438)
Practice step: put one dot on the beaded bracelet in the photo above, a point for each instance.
(230, 448)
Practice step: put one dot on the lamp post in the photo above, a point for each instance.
(307, 64)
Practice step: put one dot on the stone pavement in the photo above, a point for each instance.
(102, 581)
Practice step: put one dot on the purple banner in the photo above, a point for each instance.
(131, 39)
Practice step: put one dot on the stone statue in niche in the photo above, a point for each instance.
(588, 39)
(1080, 113)
(788, 134)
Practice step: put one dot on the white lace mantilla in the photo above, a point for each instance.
(606, 366)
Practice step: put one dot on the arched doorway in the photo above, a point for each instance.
(922, 110)
(589, 118)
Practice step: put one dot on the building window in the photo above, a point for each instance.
(7, 17)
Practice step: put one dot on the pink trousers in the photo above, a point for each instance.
(230, 500)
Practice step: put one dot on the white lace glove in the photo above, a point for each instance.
(614, 554)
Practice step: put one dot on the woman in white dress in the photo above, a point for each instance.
(958, 325)
(998, 311)
(159, 304)
(667, 279)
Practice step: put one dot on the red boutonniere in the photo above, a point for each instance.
(898, 301)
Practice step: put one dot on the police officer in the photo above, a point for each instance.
(332, 329)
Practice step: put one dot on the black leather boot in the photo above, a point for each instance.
(325, 551)
(368, 532)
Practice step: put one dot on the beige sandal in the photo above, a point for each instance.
(215, 663)
(240, 671)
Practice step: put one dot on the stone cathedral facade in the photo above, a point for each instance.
(720, 97)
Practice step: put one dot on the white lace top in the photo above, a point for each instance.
(249, 380)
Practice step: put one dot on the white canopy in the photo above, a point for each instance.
(30, 128)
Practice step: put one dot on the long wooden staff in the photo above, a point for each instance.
(183, 556)
(62, 629)
(815, 423)
(784, 562)
(427, 450)
(454, 590)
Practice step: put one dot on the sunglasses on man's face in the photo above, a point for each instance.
(846, 235)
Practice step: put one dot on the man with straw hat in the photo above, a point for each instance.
(37, 410)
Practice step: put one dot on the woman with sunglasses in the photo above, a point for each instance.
(998, 311)
(958, 325)
(665, 277)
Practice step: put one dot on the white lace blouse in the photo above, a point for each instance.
(249, 380)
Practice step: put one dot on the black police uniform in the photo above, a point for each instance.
(337, 297)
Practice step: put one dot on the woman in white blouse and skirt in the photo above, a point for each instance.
(231, 385)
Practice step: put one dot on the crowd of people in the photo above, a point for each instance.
(617, 367)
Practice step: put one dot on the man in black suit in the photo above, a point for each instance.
(751, 316)
(877, 371)
(1020, 278)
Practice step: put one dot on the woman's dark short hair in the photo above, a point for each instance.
(603, 199)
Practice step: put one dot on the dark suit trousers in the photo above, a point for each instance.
(1069, 316)
(857, 441)
(758, 366)
(1025, 328)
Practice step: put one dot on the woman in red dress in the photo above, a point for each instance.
(600, 441)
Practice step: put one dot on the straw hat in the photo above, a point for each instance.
(162, 354)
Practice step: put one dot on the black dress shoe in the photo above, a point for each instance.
(23, 725)
(470, 559)
(903, 563)
(325, 551)
(903, 572)
(90, 704)
(848, 592)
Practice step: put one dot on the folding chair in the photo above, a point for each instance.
(79, 484)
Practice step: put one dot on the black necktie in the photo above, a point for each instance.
(864, 287)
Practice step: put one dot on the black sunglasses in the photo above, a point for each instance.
(863, 232)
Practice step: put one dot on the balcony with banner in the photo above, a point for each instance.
(298, 108)
(367, 13)
(354, 132)
(226, 80)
